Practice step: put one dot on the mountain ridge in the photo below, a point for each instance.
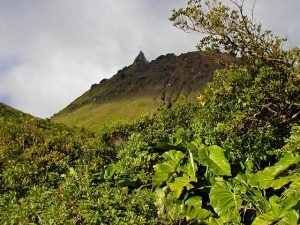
(140, 88)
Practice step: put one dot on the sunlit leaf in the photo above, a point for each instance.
(276, 184)
(266, 178)
(291, 218)
(166, 169)
(179, 183)
(281, 212)
(213, 157)
(226, 201)
(194, 209)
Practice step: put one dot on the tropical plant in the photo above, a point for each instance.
(201, 185)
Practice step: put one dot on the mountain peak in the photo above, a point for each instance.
(140, 88)
(140, 59)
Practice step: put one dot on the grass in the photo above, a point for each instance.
(95, 117)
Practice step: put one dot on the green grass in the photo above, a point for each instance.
(94, 116)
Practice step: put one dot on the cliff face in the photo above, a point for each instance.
(159, 82)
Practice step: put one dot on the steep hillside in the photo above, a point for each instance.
(140, 88)
(22, 130)
(13, 124)
(7, 112)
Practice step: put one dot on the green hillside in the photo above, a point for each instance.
(94, 116)
(10, 113)
(139, 89)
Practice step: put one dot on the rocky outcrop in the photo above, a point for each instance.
(140, 60)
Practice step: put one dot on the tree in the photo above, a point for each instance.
(228, 29)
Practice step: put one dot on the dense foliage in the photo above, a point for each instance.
(230, 157)
(199, 184)
(249, 110)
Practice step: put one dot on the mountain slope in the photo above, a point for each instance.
(21, 129)
(7, 112)
(138, 89)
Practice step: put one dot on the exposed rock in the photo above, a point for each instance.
(140, 60)
(93, 86)
(103, 80)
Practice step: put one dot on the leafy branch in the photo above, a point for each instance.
(228, 29)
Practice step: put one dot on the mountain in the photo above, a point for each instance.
(140, 88)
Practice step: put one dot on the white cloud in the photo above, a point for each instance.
(61, 47)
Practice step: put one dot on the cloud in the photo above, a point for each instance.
(282, 17)
(52, 51)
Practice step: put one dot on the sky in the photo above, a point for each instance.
(52, 51)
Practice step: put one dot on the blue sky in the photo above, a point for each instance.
(5, 98)
(51, 51)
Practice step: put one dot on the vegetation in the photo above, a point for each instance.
(230, 157)
(95, 117)
(229, 30)
(199, 184)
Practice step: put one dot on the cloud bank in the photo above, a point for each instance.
(52, 51)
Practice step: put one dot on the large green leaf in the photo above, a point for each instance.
(213, 221)
(292, 195)
(195, 201)
(226, 201)
(194, 145)
(213, 157)
(173, 155)
(265, 219)
(165, 170)
(267, 177)
(276, 184)
(291, 218)
(281, 212)
(194, 211)
(294, 189)
(179, 183)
